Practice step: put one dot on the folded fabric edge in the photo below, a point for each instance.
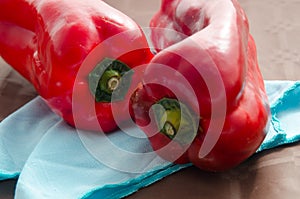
(277, 106)
(8, 176)
(129, 187)
(280, 138)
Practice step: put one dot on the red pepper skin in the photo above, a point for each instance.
(211, 37)
(50, 44)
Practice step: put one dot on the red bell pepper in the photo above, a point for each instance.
(203, 98)
(75, 53)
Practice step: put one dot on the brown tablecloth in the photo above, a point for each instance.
(273, 174)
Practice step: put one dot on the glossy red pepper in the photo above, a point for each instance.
(203, 98)
(52, 44)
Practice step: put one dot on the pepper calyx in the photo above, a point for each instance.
(176, 121)
(109, 81)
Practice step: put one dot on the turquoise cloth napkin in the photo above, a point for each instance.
(52, 160)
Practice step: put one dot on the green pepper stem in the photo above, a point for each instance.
(176, 121)
(109, 81)
(169, 129)
(113, 83)
(108, 78)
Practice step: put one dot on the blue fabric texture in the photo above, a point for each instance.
(53, 160)
(285, 110)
